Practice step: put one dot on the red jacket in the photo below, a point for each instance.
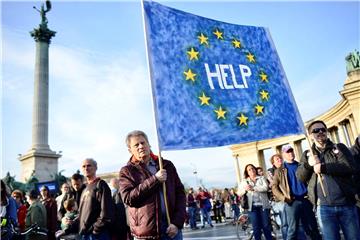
(21, 214)
(140, 192)
(201, 197)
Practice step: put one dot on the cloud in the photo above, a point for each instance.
(100, 101)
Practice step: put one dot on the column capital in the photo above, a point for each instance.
(42, 33)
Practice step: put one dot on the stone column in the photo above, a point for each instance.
(261, 158)
(348, 131)
(341, 132)
(237, 170)
(41, 97)
(276, 149)
(353, 126)
(297, 149)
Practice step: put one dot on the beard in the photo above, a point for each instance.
(321, 139)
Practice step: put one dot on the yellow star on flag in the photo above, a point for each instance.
(203, 39)
(218, 34)
(243, 119)
(236, 43)
(190, 75)
(220, 113)
(250, 57)
(264, 95)
(259, 109)
(204, 99)
(193, 54)
(263, 77)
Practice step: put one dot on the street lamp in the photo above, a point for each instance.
(195, 174)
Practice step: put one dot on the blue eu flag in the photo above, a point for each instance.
(215, 83)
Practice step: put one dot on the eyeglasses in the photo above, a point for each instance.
(317, 130)
(290, 151)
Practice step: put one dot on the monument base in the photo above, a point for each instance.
(44, 163)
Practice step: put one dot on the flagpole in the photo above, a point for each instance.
(164, 190)
(313, 156)
(161, 166)
(237, 170)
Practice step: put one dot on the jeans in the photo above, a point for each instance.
(332, 218)
(206, 216)
(101, 236)
(300, 217)
(192, 216)
(236, 211)
(279, 207)
(260, 220)
(308, 220)
(164, 236)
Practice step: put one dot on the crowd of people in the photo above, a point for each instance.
(314, 197)
(216, 205)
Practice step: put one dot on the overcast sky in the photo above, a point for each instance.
(99, 85)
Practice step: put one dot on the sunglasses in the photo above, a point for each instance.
(317, 130)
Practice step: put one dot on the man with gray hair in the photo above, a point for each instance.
(96, 207)
(141, 189)
(114, 186)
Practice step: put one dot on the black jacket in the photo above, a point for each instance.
(355, 150)
(337, 162)
(96, 209)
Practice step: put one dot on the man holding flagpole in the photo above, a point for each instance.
(334, 165)
(141, 189)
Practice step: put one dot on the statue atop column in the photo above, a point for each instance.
(43, 12)
(352, 61)
(43, 33)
